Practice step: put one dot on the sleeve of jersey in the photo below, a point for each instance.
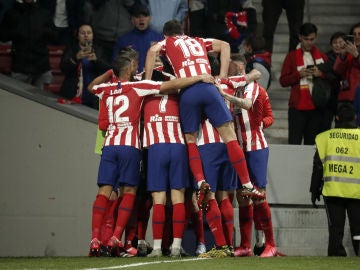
(252, 91)
(208, 43)
(147, 87)
(103, 120)
(237, 81)
(268, 118)
(100, 89)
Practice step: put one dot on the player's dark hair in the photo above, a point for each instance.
(129, 52)
(120, 63)
(172, 28)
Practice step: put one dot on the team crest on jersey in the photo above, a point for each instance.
(155, 118)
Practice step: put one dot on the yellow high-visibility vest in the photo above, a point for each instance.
(339, 151)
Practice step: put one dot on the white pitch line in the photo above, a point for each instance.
(144, 263)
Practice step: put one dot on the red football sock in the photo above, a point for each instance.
(158, 221)
(198, 225)
(124, 211)
(107, 227)
(98, 212)
(195, 162)
(237, 158)
(227, 216)
(245, 221)
(178, 220)
(213, 217)
(130, 231)
(262, 215)
(143, 218)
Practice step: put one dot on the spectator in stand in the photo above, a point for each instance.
(340, 188)
(81, 64)
(272, 10)
(336, 43)
(259, 59)
(164, 10)
(241, 22)
(197, 18)
(297, 72)
(30, 29)
(67, 16)
(4, 6)
(121, 156)
(110, 20)
(357, 105)
(141, 37)
(347, 64)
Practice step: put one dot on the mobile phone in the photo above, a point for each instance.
(88, 47)
(350, 38)
(310, 66)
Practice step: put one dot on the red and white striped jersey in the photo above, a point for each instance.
(187, 55)
(249, 123)
(123, 103)
(162, 120)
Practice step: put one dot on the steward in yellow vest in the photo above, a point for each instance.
(336, 175)
(339, 151)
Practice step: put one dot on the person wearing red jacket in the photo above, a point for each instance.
(347, 64)
(298, 70)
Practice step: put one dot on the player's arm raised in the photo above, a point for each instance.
(151, 60)
(224, 49)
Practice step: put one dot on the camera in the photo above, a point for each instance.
(310, 66)
(349, 38)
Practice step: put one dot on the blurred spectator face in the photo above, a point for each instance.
(85, 35)
(307, 42)
(141, 22)
(356, 33)
(337, 44)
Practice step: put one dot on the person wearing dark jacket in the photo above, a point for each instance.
(81, 64)
(30, 29)
(67, 16)
(336, 176)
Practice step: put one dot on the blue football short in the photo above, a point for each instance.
(168, 167)
(219, 172)
(119, 166)
(199, 100)
(257, 162)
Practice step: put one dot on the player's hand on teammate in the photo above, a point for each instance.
(207, 78)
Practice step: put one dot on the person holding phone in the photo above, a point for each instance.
(81, 64)
(298, 70)
(347, 64)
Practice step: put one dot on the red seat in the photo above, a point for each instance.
(5, 59)
(55, 54)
